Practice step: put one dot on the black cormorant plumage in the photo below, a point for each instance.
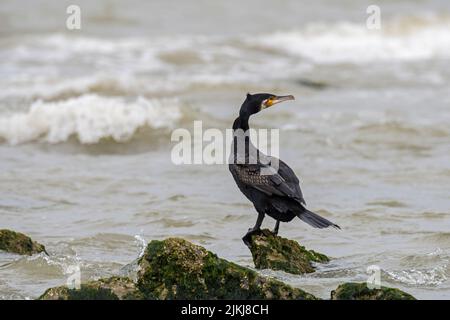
(266, 181)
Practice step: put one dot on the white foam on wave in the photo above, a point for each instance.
(56, 65)
(431, 269)
(425, 277)
(89, 117)
(404, 39)
(52, 66)
(141, 243)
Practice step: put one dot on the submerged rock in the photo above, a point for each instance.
(114, 288)
(177, 269)
(16, 242)
(270, 251)
(360, 291)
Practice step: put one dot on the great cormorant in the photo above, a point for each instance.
(266, 181)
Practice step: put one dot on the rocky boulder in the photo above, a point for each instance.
(16, 242)
(114, 288)
(360, 291)
(177, 269)
(270, 251)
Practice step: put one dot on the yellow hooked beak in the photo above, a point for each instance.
(276, 99)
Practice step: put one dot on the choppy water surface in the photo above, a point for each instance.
(86, 117)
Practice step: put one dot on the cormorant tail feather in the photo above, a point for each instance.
(314, 220)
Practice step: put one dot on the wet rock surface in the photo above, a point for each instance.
(114, 288)
(19, 243)
(177, 269)
(270, 251)
(360, 291)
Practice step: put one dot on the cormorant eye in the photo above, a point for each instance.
(269, 101)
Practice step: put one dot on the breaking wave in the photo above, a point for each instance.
(125, 65)
(431, 269)
(89, 118)
(424, 277)
(408, 38)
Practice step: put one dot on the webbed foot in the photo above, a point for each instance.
(248, 236)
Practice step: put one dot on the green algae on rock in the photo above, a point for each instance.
(16, 242)
(177, 269)
(270, 251)
(360, 291)
(114, 288)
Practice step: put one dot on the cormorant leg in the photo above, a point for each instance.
(277, 226)
(251, 231)
(258, 223)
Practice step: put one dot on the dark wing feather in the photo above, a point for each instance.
(282, 183)
(291, 179)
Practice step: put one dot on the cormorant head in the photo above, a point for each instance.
(254, 103)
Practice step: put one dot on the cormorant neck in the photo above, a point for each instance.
(240, 138)
(241, 122)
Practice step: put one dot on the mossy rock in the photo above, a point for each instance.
(177, 269)
(16, 242)
(270, 251)
(360, 291)
(114, 288)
